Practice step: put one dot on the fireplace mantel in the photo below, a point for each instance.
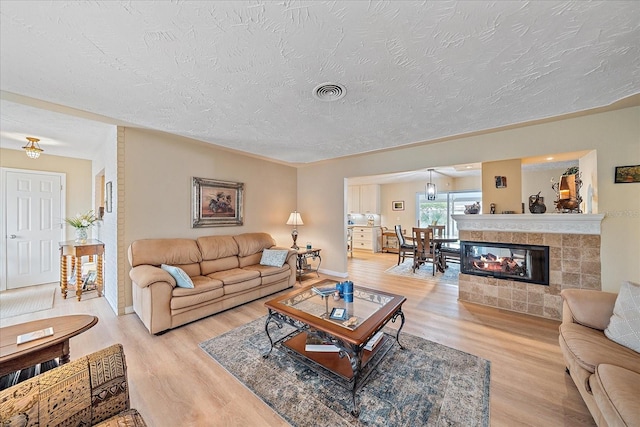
(532, 223)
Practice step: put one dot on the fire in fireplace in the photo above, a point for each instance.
(524, 263)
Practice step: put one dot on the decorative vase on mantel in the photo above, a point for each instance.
(81, 235)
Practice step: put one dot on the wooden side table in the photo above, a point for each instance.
(15, 356)
(76, 251)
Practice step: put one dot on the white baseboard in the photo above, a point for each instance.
(334, 273)
(129, 310)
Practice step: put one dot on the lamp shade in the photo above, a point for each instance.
(295, 219)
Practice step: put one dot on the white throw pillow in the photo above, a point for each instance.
(624, 326)
(182, 278)
(274, 257)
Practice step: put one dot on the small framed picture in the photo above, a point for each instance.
(397, 205)
(627, 174)
(501, 182)
(338, 314)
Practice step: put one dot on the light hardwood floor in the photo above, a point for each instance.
(174, 383)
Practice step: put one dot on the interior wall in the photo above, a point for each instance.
(534, 182)
(588, 166)
(615, 135)
(105, 165)
(79, 178)
(158, 172)
(507, 198)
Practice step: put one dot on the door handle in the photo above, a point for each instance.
(13, 236)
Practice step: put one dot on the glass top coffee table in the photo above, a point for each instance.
(351, 345)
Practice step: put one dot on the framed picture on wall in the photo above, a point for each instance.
(397, 205)
(216, 203)
(627, 174)
(501, 182)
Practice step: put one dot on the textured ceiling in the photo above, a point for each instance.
(241, 74)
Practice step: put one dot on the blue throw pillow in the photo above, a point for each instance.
(274, 257)
(182, 278)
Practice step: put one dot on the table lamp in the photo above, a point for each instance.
(295, 219)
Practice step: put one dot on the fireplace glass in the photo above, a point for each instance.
(524, 263)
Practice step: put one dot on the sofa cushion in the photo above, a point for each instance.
(182, 279)
(590, 347)
(216, 247)
(215, 265)
(246, 285)
(234, 275)
(19, 403)
(164, 251)
(128, 418)
(266, 270)
(192, 299)
(200, 284)
(252, 243)
(615, 390)
(274, 257)
(108, 376)
(624, 326)
(589, 307)
(267, 280)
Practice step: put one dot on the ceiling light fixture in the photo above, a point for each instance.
(33, 150)
(431, 190)
(329, 92)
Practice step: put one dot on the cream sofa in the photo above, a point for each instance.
(607, 374)
(225, 271)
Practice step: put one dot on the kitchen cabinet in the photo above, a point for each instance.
(367, 238)
(363, 199)
(353, 199)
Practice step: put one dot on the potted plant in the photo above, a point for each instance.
(81, 222)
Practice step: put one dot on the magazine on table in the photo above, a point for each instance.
(314, 343)
(35, 335)
(324, 292)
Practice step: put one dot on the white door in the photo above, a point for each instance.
(33, 219)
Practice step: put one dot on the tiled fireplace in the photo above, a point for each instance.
(574, 259)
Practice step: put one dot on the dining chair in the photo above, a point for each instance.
(424, 251)
(450, 252)
(404, 249)
(438, 230)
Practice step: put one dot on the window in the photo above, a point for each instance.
(445, 205)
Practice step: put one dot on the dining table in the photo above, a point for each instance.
(440, 259)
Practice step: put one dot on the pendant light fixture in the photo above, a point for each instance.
(33, 150)
(431, 190)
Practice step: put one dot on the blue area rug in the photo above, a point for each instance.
(424, 384)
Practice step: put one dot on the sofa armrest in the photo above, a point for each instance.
(588, 307)
(146, 275)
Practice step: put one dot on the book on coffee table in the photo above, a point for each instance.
(30, 336)
(324, 292)
(317, 344)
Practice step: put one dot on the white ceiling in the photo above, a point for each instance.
(240, 74)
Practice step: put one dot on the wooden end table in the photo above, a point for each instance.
(76, 251)
(14, 357)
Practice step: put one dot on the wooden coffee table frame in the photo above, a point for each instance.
(351, 366)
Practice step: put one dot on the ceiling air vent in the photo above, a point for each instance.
(329, 91)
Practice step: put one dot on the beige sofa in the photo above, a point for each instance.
(225, 271)
(606, 373)
(90, 391)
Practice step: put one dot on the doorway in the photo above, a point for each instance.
(32, 217)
